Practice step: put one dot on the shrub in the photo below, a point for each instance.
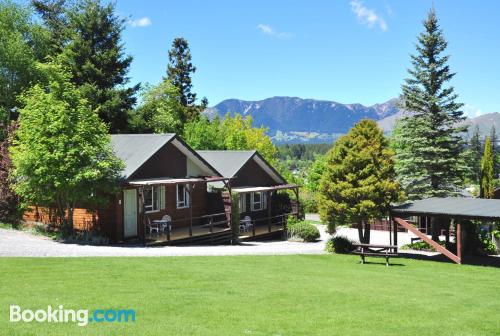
(301, 230)
(339, 244)
(496, 234)
(421, 246)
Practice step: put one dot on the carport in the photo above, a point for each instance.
(455, 208)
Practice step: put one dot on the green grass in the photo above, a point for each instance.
(256, 295)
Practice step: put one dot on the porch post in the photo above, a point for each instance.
(142, 227)
(458, 238)
(296, 191)
(269, 195)
(190, 188)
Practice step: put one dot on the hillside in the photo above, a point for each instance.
(297, 120)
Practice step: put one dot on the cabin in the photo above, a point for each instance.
(265, 198)
(163, 194)
(170, 194)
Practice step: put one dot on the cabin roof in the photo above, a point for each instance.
(230, 162)
(135, 149)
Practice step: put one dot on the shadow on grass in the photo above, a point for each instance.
(474, 260)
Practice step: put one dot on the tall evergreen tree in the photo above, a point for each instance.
(95, 56)
(54, 16)
(494, 151)
(487, 186)
(179, 71)
(358, 182)
(476, 149)
(429, 144)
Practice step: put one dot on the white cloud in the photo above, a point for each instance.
(472, 111)
(367, 16)
(268, 30)
(142, 22)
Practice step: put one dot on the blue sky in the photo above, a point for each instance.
(346, 51)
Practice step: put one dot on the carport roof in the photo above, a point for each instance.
(452, 207)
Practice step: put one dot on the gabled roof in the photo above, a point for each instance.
(453, 207)
(135, 149)
(230, 162)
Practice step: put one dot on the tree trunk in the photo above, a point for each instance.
(360, 232)
(367, 232)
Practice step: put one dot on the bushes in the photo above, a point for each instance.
(302, 230)
(339, 244)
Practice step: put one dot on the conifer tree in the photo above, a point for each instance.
(358, 182)
(494, 151)
(487, 187)
(476, 149)
(429, 143)
(179, 71)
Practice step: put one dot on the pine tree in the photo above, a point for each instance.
(487, 187)
(429, 144)
(494, 151)
(358, 182)
(476, 149)
(54, 16)
(180, 69)
(95, 56)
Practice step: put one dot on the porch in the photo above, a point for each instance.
(263, 211)
(177, 211)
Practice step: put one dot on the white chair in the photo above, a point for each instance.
(153, 227)
(166, 223)
(246, 224)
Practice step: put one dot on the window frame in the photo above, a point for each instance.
(155, 199)
(260, 202)
(185, 203)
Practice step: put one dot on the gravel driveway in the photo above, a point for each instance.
(22, 244)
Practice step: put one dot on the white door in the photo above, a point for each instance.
(130, 213)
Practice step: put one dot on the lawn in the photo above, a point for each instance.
(255, 295)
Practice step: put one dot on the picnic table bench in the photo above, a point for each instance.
(373, 250)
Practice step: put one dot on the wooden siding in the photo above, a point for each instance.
(180, 217)
(252, 175)
(167, 162)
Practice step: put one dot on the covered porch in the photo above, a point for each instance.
(263, 212)
(178, 211)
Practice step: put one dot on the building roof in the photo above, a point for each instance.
(230, 162)
(135, 149)
(453, 207)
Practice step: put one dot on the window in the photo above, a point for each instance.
(256, 201)
(182, 196)
(151, 199)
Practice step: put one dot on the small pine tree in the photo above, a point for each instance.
(494, 151)
(358, 183)
(429, 143)
(487, 186)
(476, 149)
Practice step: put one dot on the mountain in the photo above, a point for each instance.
(484, 122)
(292, 119)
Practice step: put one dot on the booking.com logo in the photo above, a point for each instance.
(60, 315)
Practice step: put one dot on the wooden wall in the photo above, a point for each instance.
(252, 175)
(180, 217)
(167, 162)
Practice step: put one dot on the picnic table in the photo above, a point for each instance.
(373, 250)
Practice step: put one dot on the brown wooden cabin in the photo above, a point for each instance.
(263, 192)
(162, 176)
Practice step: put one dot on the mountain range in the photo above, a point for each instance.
(297, 120)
